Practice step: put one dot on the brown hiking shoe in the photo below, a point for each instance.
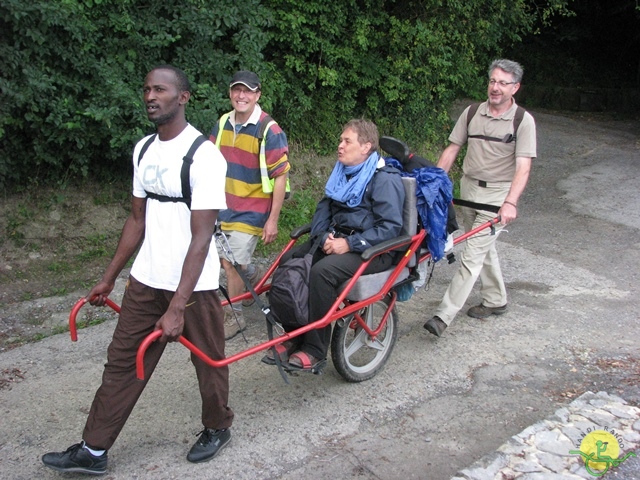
(234, 323)
(435, 326)
(480, 311)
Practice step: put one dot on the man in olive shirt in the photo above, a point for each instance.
(495, 172)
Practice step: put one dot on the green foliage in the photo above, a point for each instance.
(58, 291)
(71, 70)
(296, 212)
(96, 246)
(15, 220)
(401, 64)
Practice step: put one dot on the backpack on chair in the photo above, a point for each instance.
(289, 293)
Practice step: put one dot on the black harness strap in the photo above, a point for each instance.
(477, 206)
(184, 171)
(263, 127)
(271, 321)
(186, 168)
(509, 137)
(145, 147)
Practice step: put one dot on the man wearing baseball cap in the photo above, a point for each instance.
(254, 194)
(246, 78)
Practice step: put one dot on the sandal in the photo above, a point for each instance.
(303, 362)
(283, 350)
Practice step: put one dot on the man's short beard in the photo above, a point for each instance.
(163, 119)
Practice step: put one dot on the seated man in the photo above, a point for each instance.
(362, 207)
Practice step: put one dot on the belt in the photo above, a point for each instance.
(483, 184)
(343, 232)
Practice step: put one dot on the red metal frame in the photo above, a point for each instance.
(340, 308)
(359, 321)
(74, 313)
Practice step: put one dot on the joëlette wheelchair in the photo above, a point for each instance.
(364, 316)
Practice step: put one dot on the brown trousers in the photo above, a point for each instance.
(142, 307)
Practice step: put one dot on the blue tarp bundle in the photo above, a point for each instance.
(435, 193)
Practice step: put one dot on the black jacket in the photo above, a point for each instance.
(376, 219)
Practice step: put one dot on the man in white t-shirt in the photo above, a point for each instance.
(173, 281)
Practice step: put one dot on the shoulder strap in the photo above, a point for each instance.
(517, 120)
(186, 167)
(267, 183)
(265, 123)
(187, 160)
(145, 147)
(508, 138)
(473, 109)
(221, 123)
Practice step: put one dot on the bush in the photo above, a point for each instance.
(400, 64)
(71, 70)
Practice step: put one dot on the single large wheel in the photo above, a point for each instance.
(355, 354)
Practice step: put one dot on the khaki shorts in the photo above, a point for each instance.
(242, 246)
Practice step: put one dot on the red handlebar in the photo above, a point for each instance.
(155, 335)
(74, 313)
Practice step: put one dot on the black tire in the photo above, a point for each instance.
(355, 356)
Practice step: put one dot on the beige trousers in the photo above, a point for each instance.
(479, 257)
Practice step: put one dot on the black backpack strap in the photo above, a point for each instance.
(473, 109)
(184, 172)
(186, 168)
(517, 120)
(263, 127)
(145, 147)
(508, 138)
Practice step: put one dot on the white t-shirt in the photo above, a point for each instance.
(167, 224)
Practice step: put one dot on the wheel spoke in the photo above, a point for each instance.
(371, 323)
(376, 344)
(359, 341)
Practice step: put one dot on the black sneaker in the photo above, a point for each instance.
(78, 459)
(209, 444)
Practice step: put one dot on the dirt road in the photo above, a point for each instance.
(571, 266)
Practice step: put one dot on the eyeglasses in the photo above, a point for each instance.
(237, 89)
(502, 83)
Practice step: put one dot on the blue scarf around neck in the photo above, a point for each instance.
(347, 184)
